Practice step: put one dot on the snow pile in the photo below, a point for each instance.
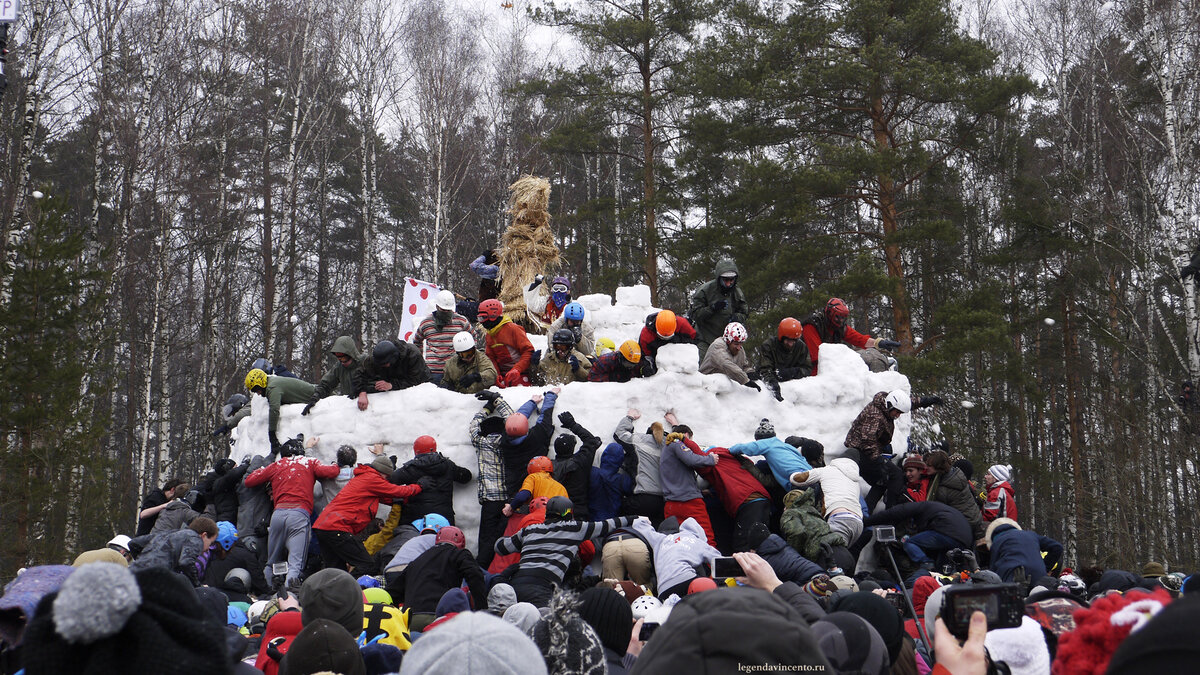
(720, 411)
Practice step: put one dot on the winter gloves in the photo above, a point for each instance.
(513, 378)
(889, 345)
(574, 361)
(223, 429)
(786, 374)
(307, 409)
(927, 401)
(567, 419)
(752, 384)
(469, 379)
(488, 395)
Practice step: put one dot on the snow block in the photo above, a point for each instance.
(636, 296)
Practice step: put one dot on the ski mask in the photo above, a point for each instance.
(560, 292)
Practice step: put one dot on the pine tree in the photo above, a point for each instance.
(47, 490)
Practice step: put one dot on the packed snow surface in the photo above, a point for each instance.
(719, 411)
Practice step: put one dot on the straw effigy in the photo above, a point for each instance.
(527, 247)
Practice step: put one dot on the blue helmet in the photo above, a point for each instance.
(435, 522)
(226, 534)
(573, 311)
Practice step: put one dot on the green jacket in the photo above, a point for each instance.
(339, 379)
(803, 526)
(709, 323)
(455, 370)
(285, 390)
(772, 358)
(555, 371)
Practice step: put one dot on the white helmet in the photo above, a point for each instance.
(444, 300)
(464, 341)
(643, 605)
(735, 333)
(121, 540)
(256, 609)
(898, 399)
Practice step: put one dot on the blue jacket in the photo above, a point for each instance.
(608, 485)
(1013, 549)
(783, 459)
(788, 564)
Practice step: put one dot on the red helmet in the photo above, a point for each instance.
(452, 535)
(539, 464)
(790, 328)
(490, 310)
(424, 445)
(516, 425)
(836, 311)
(538, 503)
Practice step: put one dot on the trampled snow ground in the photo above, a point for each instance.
(720, 411)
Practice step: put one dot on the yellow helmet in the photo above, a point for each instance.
(605, 345)
(631, 351)
(256, 378)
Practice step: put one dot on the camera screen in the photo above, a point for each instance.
(727, 567)
(966, 605)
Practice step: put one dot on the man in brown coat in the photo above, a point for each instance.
(871, 434)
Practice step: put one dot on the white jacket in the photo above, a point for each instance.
(839, 483)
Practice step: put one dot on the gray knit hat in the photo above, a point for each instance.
(765, 429)
(474, 642)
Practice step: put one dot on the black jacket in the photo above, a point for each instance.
(222, 493)
(437, 498)
(574, 471)
(517, 455)
(951, 488)
(409, 370)
(434, 572)
(788, 564)
(934, 516)
(238, 556)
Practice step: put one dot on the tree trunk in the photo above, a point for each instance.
(1072, 368)
(648, 188)
(901, 316)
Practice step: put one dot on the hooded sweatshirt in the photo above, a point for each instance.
(710, 323)
(839, 484)
(340, 378)
(676, 555)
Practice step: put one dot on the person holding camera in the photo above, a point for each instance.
(935, 528)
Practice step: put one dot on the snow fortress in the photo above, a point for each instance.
(718, 410)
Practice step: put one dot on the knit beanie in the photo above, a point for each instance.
(501, 597)
(1100, 630)
(914, 462)
(879, 613)
(609, 615)
(453, 600)
(381, 658)
(564, 446)
(106, 619)
(1023, 648)
(332, 594)
(765, 430)
(523, 615)
(383, 465)
(323, 645)
(820, 586)
(851, 644)
(474, 643)
(1001, 472)
(107, 555)
(568, 643)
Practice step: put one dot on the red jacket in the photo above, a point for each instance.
(1001, 502)
(516, 523)
(649, 340)
(354, 507)
(291, 480)
(508, 347)
(812, 338)
(732, 483)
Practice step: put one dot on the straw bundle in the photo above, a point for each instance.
(527, 247)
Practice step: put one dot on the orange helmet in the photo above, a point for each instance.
(790, 328)
(539, 464)
(665, 324)
(632, 351)
(516, 425)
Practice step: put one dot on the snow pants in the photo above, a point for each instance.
(290, 529)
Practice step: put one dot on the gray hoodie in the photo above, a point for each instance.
(676, 555)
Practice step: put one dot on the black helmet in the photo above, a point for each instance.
(385, 353)
(347, 456)
(559, 507)
(563, 336)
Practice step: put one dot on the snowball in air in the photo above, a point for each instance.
(37, 194)
(790, 288)
(967, 404)
(1048, 321)
(295, 319)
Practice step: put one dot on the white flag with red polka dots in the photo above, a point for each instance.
(418, 296)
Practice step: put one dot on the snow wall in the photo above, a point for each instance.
(718, 410)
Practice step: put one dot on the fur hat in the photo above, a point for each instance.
(1001, 472)
(1023, 648)
(568, 643)
(474, 643)
(106, 619)
(765, 429)
(335, 595)
(991, 528)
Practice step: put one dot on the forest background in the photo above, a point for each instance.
(1008, 189)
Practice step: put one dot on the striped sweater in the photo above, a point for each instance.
(438, 343)
(547, 548)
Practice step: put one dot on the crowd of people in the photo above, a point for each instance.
(662, 554)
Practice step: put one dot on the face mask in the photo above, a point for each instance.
(560, 298)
